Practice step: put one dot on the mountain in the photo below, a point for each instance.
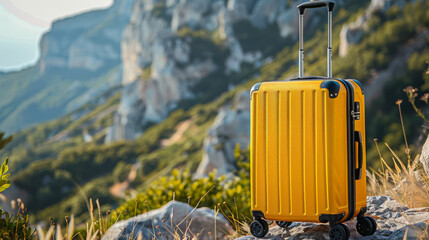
(80, 58)
(181, 80)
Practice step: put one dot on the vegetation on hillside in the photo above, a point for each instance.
(227, 192)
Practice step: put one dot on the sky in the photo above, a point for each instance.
(22, 23)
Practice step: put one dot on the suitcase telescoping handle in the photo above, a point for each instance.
(315, 4)
(358, 139)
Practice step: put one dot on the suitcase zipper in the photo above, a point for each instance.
(351, 149)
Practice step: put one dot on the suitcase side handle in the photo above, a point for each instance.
(358, 139)
(315, 4)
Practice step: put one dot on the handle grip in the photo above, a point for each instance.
(358, 139)
(316, 4)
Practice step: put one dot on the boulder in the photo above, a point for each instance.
(231, 127)
(416, 231)
(175, 220)
(424, 157)
(393, 220)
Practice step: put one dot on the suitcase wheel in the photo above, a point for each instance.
(339, 232)
(283, 224)
(259, 228)
(366, 226)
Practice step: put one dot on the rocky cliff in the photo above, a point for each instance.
(231, 127)
(80, 59)
(88, 42)
(352, 33)
(173, 51)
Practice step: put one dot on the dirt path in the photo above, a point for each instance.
(180, 129)
(118, 189)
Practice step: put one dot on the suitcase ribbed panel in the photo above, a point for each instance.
(292, 152)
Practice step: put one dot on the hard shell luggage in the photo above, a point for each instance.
(307, 149)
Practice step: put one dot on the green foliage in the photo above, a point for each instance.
(121, 171)
(160, 11)
(14, 227)
(27, 97)
(211, 191)
(4, 176)
(379, 46)
(11, 227)
(47, 140)
(146, 73)
(77, 203)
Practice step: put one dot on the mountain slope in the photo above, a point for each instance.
(80, 58)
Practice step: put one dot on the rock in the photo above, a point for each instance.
(190, 13)
(180, 215)
(392, 219)
(287, 22)
(417, 231)
(231, 127)
(352, 33)
(125, 122)
(424, 157)
(265, 12)
(79, 43)
(145, 101)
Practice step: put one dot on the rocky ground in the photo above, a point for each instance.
(175, 220)
(394, 221)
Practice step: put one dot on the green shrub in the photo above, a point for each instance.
(14, 227)
(121, 171)
(4, 176)
(11, 227)
(227, 193)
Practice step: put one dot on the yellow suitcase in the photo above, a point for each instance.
(307, 149)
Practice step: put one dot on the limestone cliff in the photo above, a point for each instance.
(167, 60)
(80, 59)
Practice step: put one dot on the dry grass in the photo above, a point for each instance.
(238, 221)
(98, 227)
(405, 181)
